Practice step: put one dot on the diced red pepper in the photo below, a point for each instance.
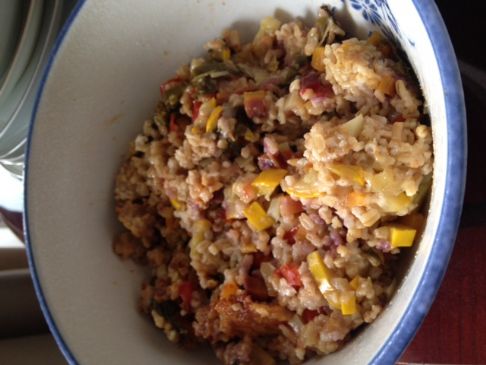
(196, 105)
(308, 315)
(185, 292)
(289, 236)
(169, 84)
(178, 123)
(323, 91)
(313, 82)
(291, 273)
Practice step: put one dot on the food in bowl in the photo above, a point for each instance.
(273, 189)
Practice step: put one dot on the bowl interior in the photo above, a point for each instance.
(102, 84)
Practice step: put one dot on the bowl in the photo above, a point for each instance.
(102, 82)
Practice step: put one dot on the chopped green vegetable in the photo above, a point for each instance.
(327, 27)
(322, 25)
(214, 69)
(256, 73)
(205, 75)
(171, 97)
(268, 180)
(423, 189)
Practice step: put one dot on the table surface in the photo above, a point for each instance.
(454, 331)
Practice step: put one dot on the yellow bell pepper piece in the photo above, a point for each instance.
(176, 204)
(322, 275)
(318, 59)
(295, 192)
(348, 303)
(258, 219)
(344, 301)
(333, 299)
(306, 187)
(212, 121)
(268, 180)
(402, 236)
(348, 172)
(354, 126)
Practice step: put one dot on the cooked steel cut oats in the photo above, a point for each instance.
(273, 190)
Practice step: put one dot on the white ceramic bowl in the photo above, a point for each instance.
(103, 82)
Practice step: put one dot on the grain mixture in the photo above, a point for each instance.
(272, 190)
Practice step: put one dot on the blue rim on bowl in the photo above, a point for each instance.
(449, 217)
